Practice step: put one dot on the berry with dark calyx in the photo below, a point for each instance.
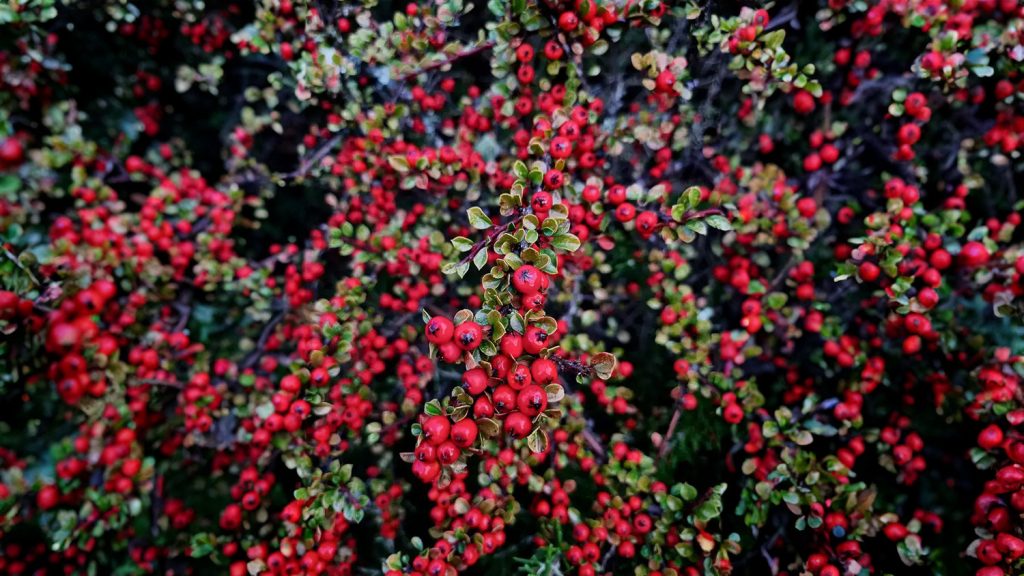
(475, 381)
(469, 335)
(527, 279)
(504, 398)
(464, 433)
(519, 377)
(448, 453)
(532, 400)
(440, 330)
(568, 21)
(535, 339)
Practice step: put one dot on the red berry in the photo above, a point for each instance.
(504, 398)
(535, 339)
(440, 330)
(11, 152)
(732, 413)
(625, 212)
(532, 400)
(436, 429)
(912, 344)
(974, 254)
(48, 497)
(895, 531)
(646, 223)
(544, 371)
(475, 381)
(519, 377)
(464, 433)
(928, 298)
(869, 271)
(512, 344)
(448, 453)
(518, 425)
(469, 335)
(665, 82)
(560, 148)
(568, 21)
(803, 102)
(527, 279)
(990, 437)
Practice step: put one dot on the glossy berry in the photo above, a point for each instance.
(527, 279)
(517, 425)
(468, 335)
(436, 429)
(440, 330)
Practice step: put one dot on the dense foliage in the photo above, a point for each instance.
(538, 286)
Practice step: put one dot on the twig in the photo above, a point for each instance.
(159, 382)
(574, 366)
(252, 357)
(491, 236)
(184, 307)
(593, 441)
(687, 216)
(10, 256)
(310, 162)
(673, 423)
(466, 53)
(607, 557)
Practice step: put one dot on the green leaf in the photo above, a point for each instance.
(480, 260)
(537, 441)
(709, 509)
(692, 195)
(803, 438)
(679, 211)
(776, 300)
(9, 184)
(433, 408)
(684, 491)
(555, 393)
(461, 243)
(718, 221)
(477, 218)
(344, 474)
(698, 226)
(603, 364)
(488, 427)
(566, 242)
(520, 170)
(515, 322)
(983, 71)
(399, 163)
(773, 40)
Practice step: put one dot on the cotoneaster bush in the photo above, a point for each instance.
(520, 286)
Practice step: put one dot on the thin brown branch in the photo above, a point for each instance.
(253, 356)
(466, 53)
(673, 423)
(310, 162)
(486, 242)
(159, 382)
